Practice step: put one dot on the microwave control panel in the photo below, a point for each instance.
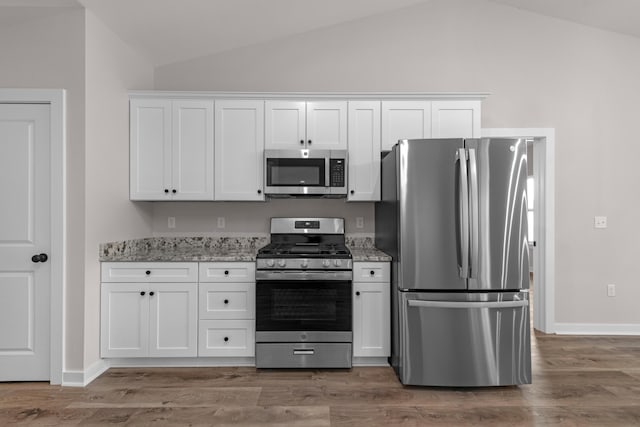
(337, 171)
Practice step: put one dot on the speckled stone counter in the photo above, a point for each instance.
(203, 249)
(363, 250)
(184, 249)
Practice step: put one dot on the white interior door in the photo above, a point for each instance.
(24, 233)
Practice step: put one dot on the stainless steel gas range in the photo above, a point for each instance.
(303, 296)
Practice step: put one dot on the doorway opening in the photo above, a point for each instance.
(542, 246)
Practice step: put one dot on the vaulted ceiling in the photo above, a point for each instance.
(167, 31)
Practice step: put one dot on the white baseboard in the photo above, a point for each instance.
(82, 378)
(180, 362)
(597, 328)
(370, 361)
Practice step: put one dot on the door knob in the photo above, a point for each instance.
(40, 258)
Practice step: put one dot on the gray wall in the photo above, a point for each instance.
(542, 72)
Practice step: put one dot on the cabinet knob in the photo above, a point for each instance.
(259, 191)
(309, 142)
(151, 293)
(358, 293)
(166, 191)
(226, 339)
(142, 293)
(373, 273)
(226, 272)
(352, 192)
(148, 272)
(174, 191)
(226, 301)
(302, 142)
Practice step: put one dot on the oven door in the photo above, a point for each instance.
(311, 306)
(297, 172)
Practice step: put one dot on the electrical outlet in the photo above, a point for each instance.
(600, 222)
(221, 222)
(171, 222)
(359, 222)
(611, 290)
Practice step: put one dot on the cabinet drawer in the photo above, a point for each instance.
(227, 300)
(371, 272)
(227, 272)
(150, 272)
(229, 338)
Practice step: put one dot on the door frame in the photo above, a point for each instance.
(56, 99)
(544, 225)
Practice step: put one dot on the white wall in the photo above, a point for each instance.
(49, 53)
(542, 72)
(112, 68)
(252, 218)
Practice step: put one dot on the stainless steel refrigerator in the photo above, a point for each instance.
(453, 215)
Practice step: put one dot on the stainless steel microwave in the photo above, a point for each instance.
(291, 173)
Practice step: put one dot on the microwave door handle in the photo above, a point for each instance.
(327, 177)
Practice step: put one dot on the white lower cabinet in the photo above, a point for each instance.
(371, 310)
(227, 309)
(149, 319)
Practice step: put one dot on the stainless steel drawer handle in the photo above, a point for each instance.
(302, 352)
(466, 304)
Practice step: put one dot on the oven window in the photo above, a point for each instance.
(295, 172)
(303, 306)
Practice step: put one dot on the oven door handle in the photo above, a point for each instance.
(343, 275)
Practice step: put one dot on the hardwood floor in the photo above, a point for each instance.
(577, 381)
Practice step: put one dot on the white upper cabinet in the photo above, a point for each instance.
(364, 151)
(299, 124)
(327, 125)
(171, 145)
(239, 150)
(150, 149)
(455, 119)
(405, 120)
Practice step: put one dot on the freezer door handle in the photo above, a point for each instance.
(474, 209)
(463, 214)
(467, 304)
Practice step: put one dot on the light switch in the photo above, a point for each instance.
(600, 222)
(171, 222)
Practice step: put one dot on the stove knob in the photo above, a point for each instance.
(337, 262)
(304, 263)
(270, 263)
(282, 263)
(325, 263)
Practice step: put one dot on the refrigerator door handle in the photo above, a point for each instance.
(467, 304)
(463, 214)
(474, 213)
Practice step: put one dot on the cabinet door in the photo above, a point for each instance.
(150, 149)
(124, 320)
(285, 126)
(364, 151)
(371, 319)
(405, 120)
(192, 150)
(239, 150)
(173, 319)
(455, 119)
(327, 125)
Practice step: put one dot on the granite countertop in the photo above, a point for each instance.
(211, 249)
